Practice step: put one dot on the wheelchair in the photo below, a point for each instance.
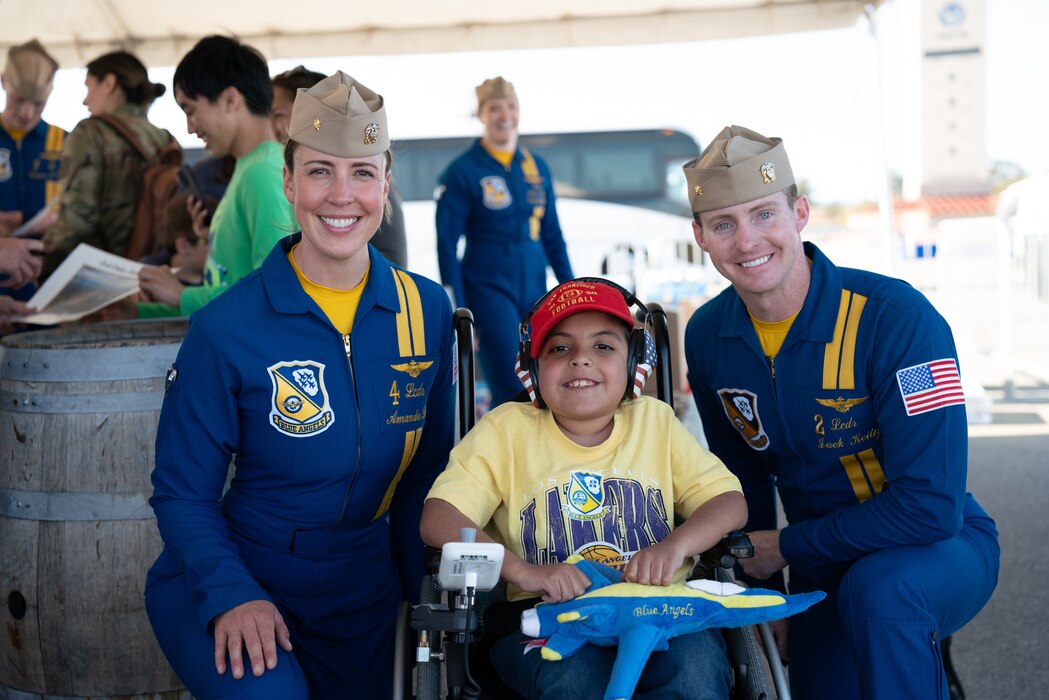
(436, 649)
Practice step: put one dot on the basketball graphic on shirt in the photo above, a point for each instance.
(604, 553)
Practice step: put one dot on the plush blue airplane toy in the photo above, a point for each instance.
(640, 619)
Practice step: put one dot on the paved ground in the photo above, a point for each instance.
(1002, 652)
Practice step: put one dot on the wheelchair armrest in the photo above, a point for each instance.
(735, 545)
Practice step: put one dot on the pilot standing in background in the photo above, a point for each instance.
(501, 198)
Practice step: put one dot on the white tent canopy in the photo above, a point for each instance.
(160, 32)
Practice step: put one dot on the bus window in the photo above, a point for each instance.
(623, 167)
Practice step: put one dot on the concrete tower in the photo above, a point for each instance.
(954, 122)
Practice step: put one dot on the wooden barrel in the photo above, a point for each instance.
(78, 417)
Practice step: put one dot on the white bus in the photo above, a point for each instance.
(621, 202)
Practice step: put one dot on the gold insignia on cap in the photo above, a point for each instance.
(768, 172)
(317, 124)
(371, 133)
(699, 190)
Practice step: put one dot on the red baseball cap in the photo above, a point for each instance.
(572, 298)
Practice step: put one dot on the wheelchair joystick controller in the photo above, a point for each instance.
(470, 566)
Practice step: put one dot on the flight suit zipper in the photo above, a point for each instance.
(360, 429)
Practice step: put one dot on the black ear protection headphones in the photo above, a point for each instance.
(635, 344)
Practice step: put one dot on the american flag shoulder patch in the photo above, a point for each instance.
(929, 386)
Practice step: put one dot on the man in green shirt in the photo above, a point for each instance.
(224, 88)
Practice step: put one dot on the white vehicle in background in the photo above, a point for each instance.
(621, 204)
(643, 250)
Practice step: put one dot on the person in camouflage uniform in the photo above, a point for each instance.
(101, 172)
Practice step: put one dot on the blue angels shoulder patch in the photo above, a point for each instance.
(300, 401)
(496, 193)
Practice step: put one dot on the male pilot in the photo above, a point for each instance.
(30, 148)
(840, 388)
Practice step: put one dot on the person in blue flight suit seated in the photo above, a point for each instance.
(595, 469)
(30, 148)
(841, 389)
(328, 376)
(501, 198)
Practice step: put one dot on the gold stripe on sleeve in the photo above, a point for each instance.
(873, 469)
(855, 473)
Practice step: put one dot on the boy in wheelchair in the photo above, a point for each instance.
(590, 467)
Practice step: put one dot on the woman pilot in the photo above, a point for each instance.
(327, 376)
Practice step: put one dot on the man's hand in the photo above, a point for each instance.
(554, 582)
(256, 626)
(655, 565)
(767, 558)
(18, 261)
(9, 221)
(160, 284)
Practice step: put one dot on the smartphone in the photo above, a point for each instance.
(187, 181)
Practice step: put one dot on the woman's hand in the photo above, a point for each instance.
(256, 626)
(159, 283)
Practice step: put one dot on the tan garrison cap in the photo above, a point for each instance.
(494, 89)
(30, 71)
(738, 166)
(340, 117)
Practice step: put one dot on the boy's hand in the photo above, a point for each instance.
(655, 565)
(554, 582)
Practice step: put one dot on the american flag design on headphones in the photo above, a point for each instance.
(644, 369)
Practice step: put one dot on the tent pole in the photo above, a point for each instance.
(885, 194)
